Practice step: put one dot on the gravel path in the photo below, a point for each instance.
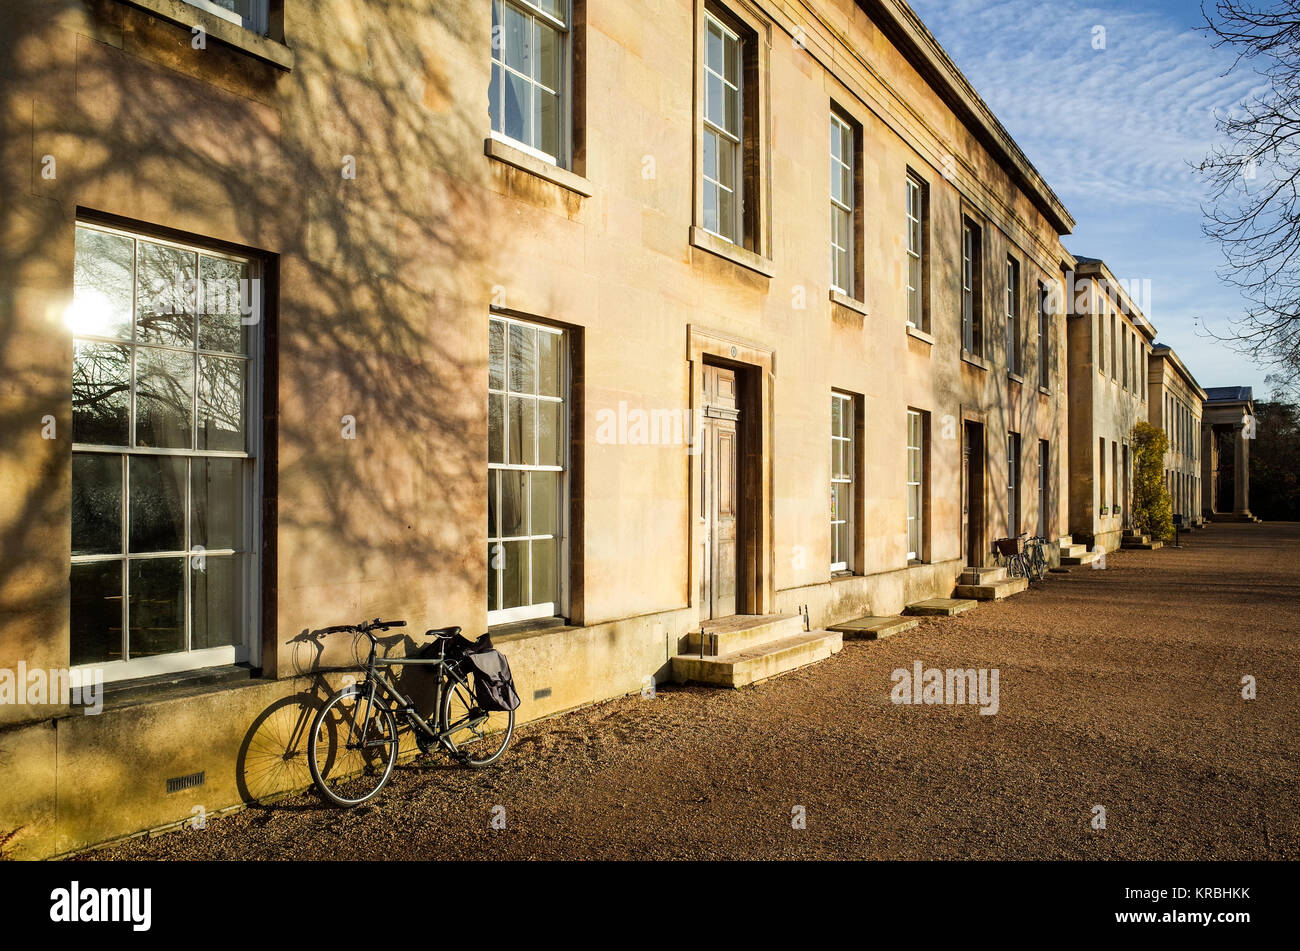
(1119, 688)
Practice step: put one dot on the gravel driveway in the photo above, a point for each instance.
(1118, 688)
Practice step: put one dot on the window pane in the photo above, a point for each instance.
(550, 442)
(496, 428)
(495, 560)
(498, 36)
(727, 215)
(494, 100)
(844, 543)
(518, 109)
(549, 47)
(514, 574)
(102, 284)
(523, 359)
(543, 557)
(514, 514)
(545, 502)
(101, 394)
(546, 121)
(713, 100)
(222, 402)
(523, 423)
(494, 490)
(727, 163)
(731, 70)
(164, 391)
(713, 48)
(550, 369)
(837, 416)
(96, 504)
(496, 355)
(518, 39)
(711, 208)
(226, 293)
(166, 293)
(216, 603)
(157, 504)
(96, 615)
(157, 607)
(731, 97)
(218, 516)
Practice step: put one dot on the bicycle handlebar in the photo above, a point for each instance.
(365, 627)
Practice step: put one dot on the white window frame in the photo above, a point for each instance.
(915, 486)
(563, 95)
(1044, 339)
(915, 252)
(845, 437)
(1013, 315)
(258, 20)
(558, 606)
(250, 578)
(848, 207)
(968, 304)
(737, 138)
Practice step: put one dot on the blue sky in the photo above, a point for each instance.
(1113, 131)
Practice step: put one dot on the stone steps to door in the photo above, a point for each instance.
(873, 628)
(994, 591)
(743, 631)
(759, 661)
(939, 607)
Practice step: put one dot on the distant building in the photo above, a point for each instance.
(1175, 401)
(1226, 434)
(1110, 340)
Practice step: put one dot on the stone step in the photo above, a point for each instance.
(939, 607)
(874, 628)
(1087, 558)
(1148, 545)
(743, 667)
(992, 592)
(1073, 551)
(1065, 541)
(977, 576)
(743, 631)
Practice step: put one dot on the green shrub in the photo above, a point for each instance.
(1153, 509)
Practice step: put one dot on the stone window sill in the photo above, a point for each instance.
(1044, 390)
(847, 302)
(129, 693)
(976, 361)
(517, 158)
(519, 630)
(1015, 377)
(254, 44)
(732, 252)
(919, 334)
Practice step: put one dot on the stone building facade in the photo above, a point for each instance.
(1175, 400)
(583, 323)
(1110, 342)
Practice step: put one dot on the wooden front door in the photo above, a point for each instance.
(719, 488)
(972, 494)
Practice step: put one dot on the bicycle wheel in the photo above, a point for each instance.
(478, 736)
(352, 748)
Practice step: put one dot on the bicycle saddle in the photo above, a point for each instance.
(446, 633)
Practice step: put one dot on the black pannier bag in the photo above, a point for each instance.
(494, 687)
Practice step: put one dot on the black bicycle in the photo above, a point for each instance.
(355, 738)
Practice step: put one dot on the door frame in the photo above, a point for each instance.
(755, 555)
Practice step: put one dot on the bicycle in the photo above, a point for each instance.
(1009, 553)
(1035, 552)
(354, 738)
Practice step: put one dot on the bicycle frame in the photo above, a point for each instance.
(377, 683)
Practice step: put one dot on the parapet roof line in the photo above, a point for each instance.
(913, 39)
